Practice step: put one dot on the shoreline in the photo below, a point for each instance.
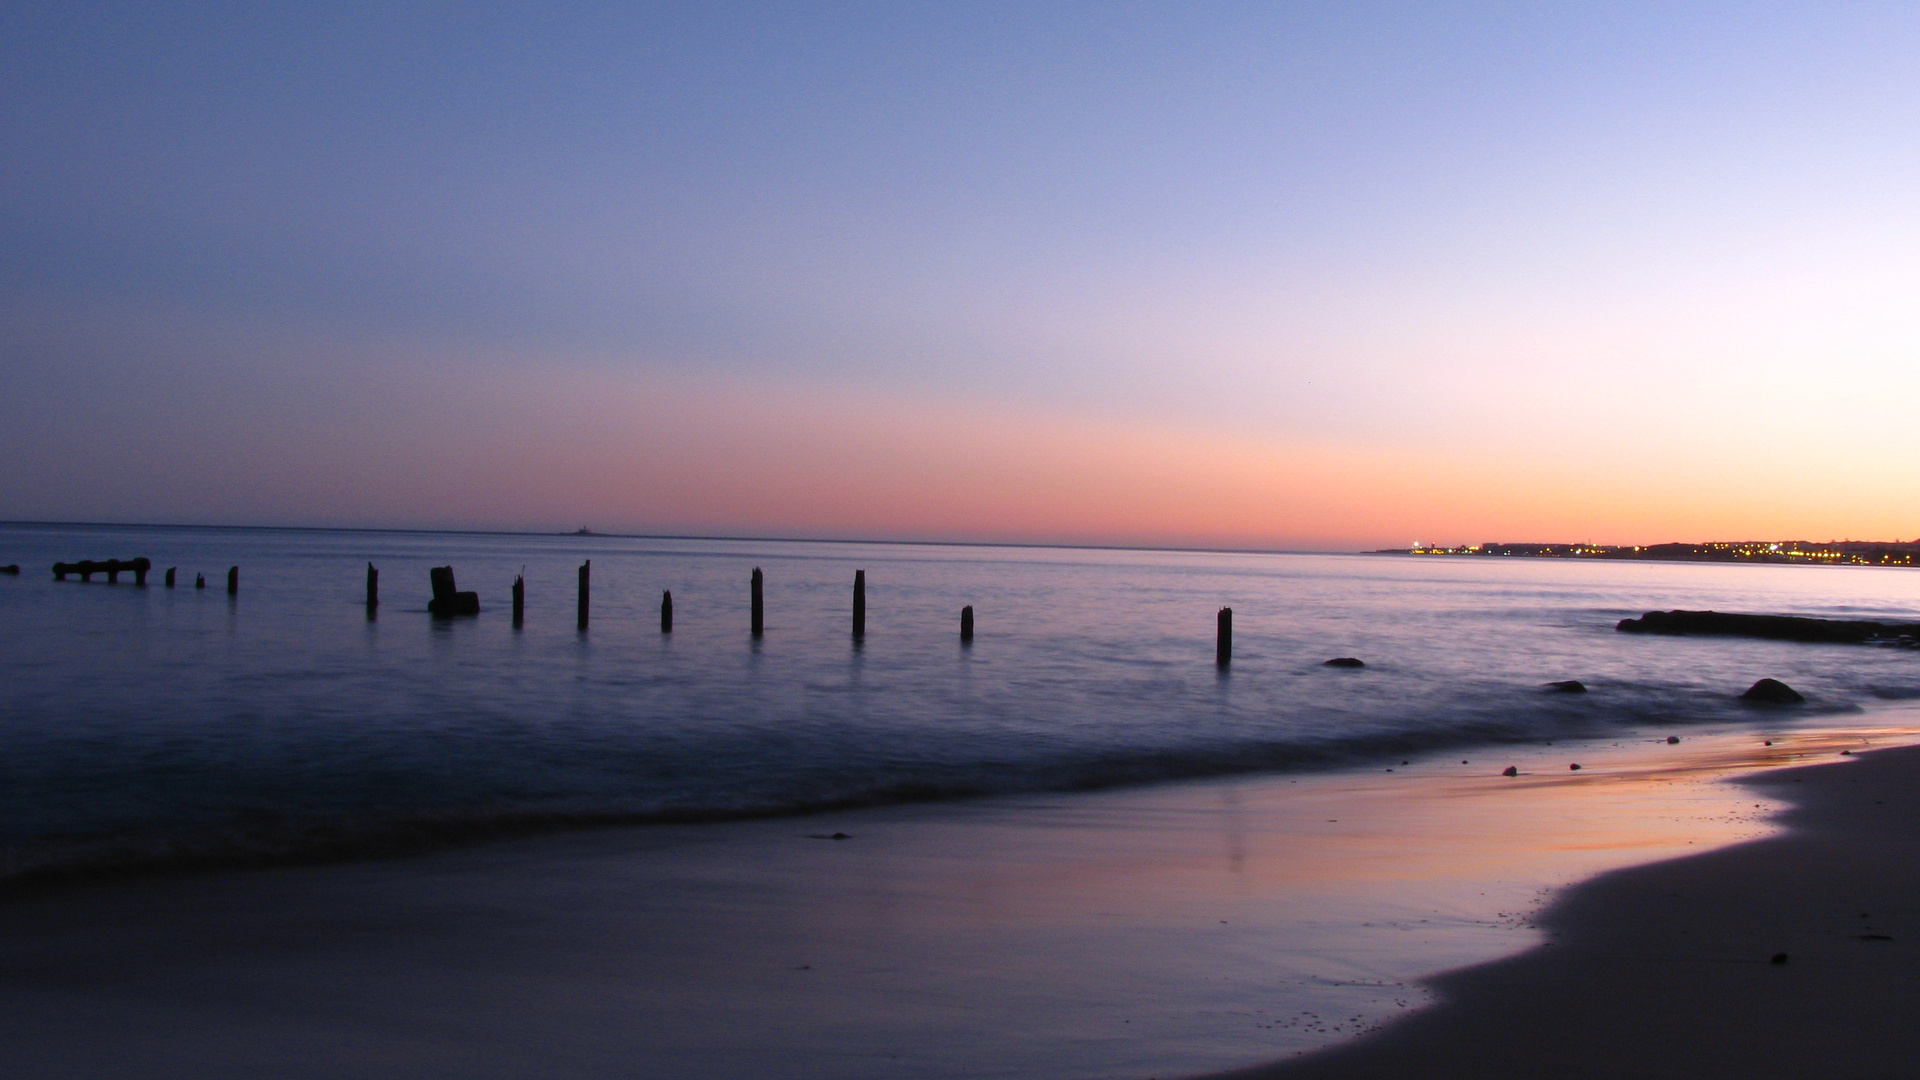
(1670, 969)
(1151, 932)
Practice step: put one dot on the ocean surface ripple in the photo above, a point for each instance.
(164, 727)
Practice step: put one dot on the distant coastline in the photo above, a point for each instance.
(1830, 553)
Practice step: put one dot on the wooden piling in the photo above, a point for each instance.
(586, 570)
(170, 571)
(966, 625)
(140, 568)
(519, 599)
(666, 612)
(373, 589)
(1223, 638)
(759, 608)
(233, 581)
(859, 603)
(199, 581)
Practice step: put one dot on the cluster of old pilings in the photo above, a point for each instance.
(113, 568)
(448, 602)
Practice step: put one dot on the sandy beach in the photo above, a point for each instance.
(1152, 932)
(1792, 956)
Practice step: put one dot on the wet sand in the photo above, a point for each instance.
(1155, 932)
(1668, 970)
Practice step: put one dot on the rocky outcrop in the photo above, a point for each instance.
(1772, 627)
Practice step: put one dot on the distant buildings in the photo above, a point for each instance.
(1833, 552)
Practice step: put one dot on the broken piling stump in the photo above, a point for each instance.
(859, 603)
(233, 581)
(966, 624)
(199, 581)
(666, 612)
(373, 589)
(759, 609)
(11, 569)
(519, 599)
(170, 571)
(1223, 638)
(447, 600)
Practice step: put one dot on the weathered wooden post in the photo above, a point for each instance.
(373, 589)
(519, 599)
(113, 571)
(447, 600)
(759, 608)
(586, 569)
(859, 603)
(170, 571)
(1223, 638)
(966, 625)
(140, 568)
(233, 581)
(666, 612)
(199, 581)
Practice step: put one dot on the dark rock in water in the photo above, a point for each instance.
(1671, 739)
(1779, 958)
(1345, 661)
(1772, 692)
(1568, 686)
(1574, 767)
(11, 569)
(1772, 627)
(1510, 770)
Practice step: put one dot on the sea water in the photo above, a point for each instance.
(154, 726)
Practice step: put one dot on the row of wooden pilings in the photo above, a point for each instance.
(113, 568)
(447, 603)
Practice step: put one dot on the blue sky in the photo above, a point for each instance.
(1247, 274)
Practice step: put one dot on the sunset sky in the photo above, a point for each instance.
(1285, 276)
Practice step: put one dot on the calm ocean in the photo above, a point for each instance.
(146, 726)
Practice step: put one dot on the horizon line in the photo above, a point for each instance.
(697, 536)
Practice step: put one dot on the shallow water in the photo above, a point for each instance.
(150, 724)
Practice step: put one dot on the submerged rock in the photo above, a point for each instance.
(1511, 770)
(1345, 661)
(1772, 692)
(1568, 686)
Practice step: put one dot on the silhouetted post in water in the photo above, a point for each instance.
(859, 603)
(1223, 638)
(759, 609)
(447, 600)
(233, 581)
(373, 588)
(519, 598)
(586, 569)
(666, 612)
(11, 569)
(170, 571)
(140, 568)
(199, 581)
(966, 624)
